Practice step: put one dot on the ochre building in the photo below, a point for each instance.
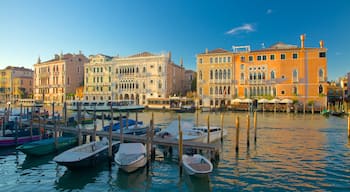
(281, 71)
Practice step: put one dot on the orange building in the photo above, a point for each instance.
(281, 71)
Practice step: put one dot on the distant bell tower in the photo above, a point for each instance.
(39, 61)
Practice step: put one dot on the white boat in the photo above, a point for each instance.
(86, 155)
(172, 130)
(215, 132)
(193, 135)
(131, 156)
(122, 105)
(197, 165)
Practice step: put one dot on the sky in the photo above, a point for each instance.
(33, 28)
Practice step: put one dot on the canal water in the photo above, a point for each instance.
(293, 152)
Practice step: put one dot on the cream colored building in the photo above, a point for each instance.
(137, 77)
(56, 80)
(15, 83)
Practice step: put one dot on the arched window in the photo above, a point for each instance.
(295, 75)
(200, 75)
(220, 90)
(216, 90)
(250, 76)
(263, 75)
(242, 76)
(211, 90)
(259, 76)
(211, 74)
(220, 74)
(224, 75)
(228, 90)
(295, 91)
(254, 76)
(216, 74)
(273, 75)
(320, 75)
(228, 74)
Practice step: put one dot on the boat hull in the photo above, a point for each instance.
(11, 141)
(47, 146)
(134, 166)
(197, 165)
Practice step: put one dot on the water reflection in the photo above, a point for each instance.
(197, 183)
(134, 181)
(33, 162)
(78, 179)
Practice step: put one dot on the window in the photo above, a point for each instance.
(159, 69)
(250, 58)
(216, 60)
(272, 57)
(216, 74)
(211, 90)
(211, 74)
(242, 59)
(273, 75)
(224, 74)
(320, 75)
(283, 56)
(200, 75)
(211, 60)
(295, 56)
(242, 76)
(282, 92)
(220, 74)
(264, 57)
(224, 59)
(229, 59)
(228, 74)
(295, 75)
(220, 60)
(322, 54)
(242, 66)
(295, 91)
(259, 58)
(200, 60)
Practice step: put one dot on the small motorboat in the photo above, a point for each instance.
(131, 156)
(86, 155)
(130, 122)
(197, 165)
(47, 146)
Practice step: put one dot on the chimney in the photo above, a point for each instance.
(206, 50)
(181, 62)
(321, 44)
(302, 39)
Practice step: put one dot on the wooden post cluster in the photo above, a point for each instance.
(237, 133)
(93, 137)
(79, 128)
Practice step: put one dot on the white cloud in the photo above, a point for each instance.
(268, 12)
(244, 28)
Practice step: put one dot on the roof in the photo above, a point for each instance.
(143, 54)
(281, 45)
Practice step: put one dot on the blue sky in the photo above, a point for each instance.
(32, 28)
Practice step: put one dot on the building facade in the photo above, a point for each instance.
(56, 80)
(137, 77)
(190, 79)
(281, 71)
(15, 83)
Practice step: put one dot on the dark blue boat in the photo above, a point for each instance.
(116, 126)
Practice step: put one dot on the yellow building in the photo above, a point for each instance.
(15, 83)
(57, 79)
(281, 71)
(137, 77)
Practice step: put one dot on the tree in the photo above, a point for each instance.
(194, 84)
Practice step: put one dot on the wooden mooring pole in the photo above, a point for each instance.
(110, 155)
(222, 127)
(208, 134)
(248, 130)
(122, 127)
(93, 136)
(237, 133)
(255, 126)
(349, 124)
(180, 146)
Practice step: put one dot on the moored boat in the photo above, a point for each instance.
(215, 132)
(22, 136)
(86, 155)
(130, 123)
(47, 146)
(197, 165)
(122, 105)
(131, 156)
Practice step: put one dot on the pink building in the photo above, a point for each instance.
(57, 80)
